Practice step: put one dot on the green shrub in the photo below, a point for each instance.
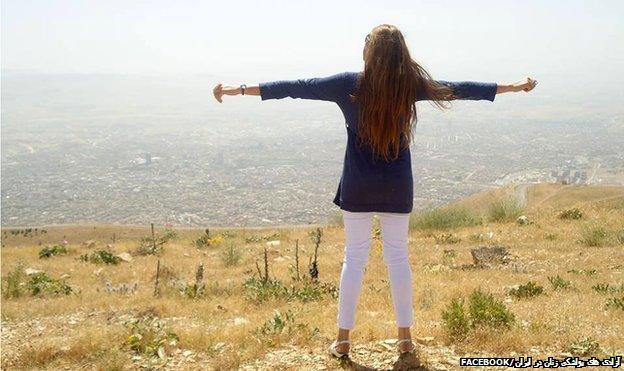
(594, 235)
(528, 290)
(447, 238)
(260, 290)
(559, 283)
(149, 336)
(170, 234)
(506, 210)
(40, 284)
(484, 311)
(584, 347)
(571, 214)
(50, 251)
(588, 272)
(445, 218)
(231, 255)
(266, 237)
(605, 288)
(616, 302)
(12, 288)
(455, 319)
(101, 256)
(312, 291)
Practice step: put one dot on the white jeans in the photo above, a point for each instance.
(394, 236)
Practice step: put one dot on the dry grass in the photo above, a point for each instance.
(224, 320)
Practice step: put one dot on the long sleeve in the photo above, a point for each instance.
(472, 90)
(330, 88)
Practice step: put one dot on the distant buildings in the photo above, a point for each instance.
(569, 176)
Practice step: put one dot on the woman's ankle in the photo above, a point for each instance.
(404, 333)
(343, 334)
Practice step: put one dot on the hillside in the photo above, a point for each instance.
(545, 196)
(72, 310)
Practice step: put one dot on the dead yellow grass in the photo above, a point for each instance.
(548, 247)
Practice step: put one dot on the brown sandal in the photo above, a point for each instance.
(406, 351)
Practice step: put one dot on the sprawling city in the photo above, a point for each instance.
(190, 161)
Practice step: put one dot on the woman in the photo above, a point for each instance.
(377, 172)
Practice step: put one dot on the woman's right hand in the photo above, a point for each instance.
(221, 90)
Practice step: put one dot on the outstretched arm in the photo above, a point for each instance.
(474, 90)
(523, 85)
(220, 90)
(330, 88)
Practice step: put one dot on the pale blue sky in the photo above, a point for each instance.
(286, 39)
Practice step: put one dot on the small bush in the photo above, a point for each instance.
(588, 272)
(571, 214)
(12, 286)
(283, 324)
(40, 284)
(313, 291)
(448, 239)
(584, 347)
(445, 218)
(484, 311)
(101, 256)
(50, 251)
(605, 288)
(507, 210)
(231, 255)
(455, 318)
(616, 302)
(150, 337)
(594, 236)
(260, 290)
(528, 290)
(266, 237)
(170, 234)
(559, 283)
(149, 247)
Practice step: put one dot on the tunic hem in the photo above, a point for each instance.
(380, 208)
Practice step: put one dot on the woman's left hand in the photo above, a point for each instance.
(525, 85)
(221, 90)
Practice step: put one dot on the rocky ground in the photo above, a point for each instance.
(379, 355)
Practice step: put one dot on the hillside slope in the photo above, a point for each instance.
(545, 196)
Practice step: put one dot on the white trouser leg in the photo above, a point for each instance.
(394, 236)
(357, 227)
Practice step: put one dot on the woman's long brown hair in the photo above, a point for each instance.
(387, 92)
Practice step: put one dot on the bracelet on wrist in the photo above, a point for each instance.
(243, 87)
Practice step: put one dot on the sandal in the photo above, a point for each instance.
(336, 353)
(406, 351)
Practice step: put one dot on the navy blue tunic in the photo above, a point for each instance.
(367, 183)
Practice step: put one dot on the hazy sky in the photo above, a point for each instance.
(288, 39)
